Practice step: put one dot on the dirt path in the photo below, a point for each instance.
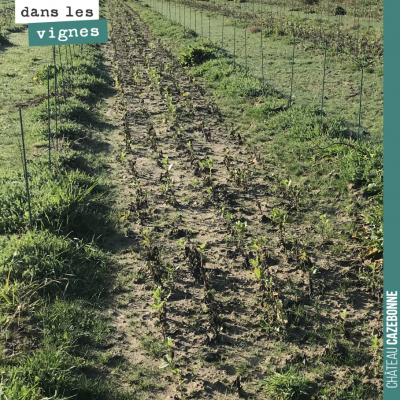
(171, 201)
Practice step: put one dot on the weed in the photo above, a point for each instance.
(152, 346)
(63, 200)
(325, 227)
(71, 110)
(52, 370)
(198, 54)
(289, 385)
(79, 268)
(74, 323)
(280, 218)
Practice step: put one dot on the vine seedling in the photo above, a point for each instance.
(208, 163)
(160, 299)
(152, 257)
(280, 218)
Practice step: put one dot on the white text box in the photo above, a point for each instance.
(32, 11)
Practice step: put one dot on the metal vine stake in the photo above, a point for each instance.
(55, 92)
(62, 70)
(201, 21)
(25, 170)
(66, 60)
(222, 44)
(328, 11)
(359, 110)
(234, 45)
(48, 113)
(245, 50)
(323, 85)
(291, 80)
(262, 61)
(72, 60)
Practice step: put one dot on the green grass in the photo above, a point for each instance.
(60, 200)
(54, 279)
(53, 372)
(23, 81)
(18, 65)
(79, 268)
(300, 10)
(74, 324)
(290, 385)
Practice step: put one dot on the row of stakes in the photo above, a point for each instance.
(261, 9)
(56, 116)
(289, 103)
(234, 64)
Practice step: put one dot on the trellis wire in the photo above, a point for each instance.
(25, 170)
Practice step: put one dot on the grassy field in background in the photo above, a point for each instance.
(342, 81)
(318, 12)
(19, 65)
